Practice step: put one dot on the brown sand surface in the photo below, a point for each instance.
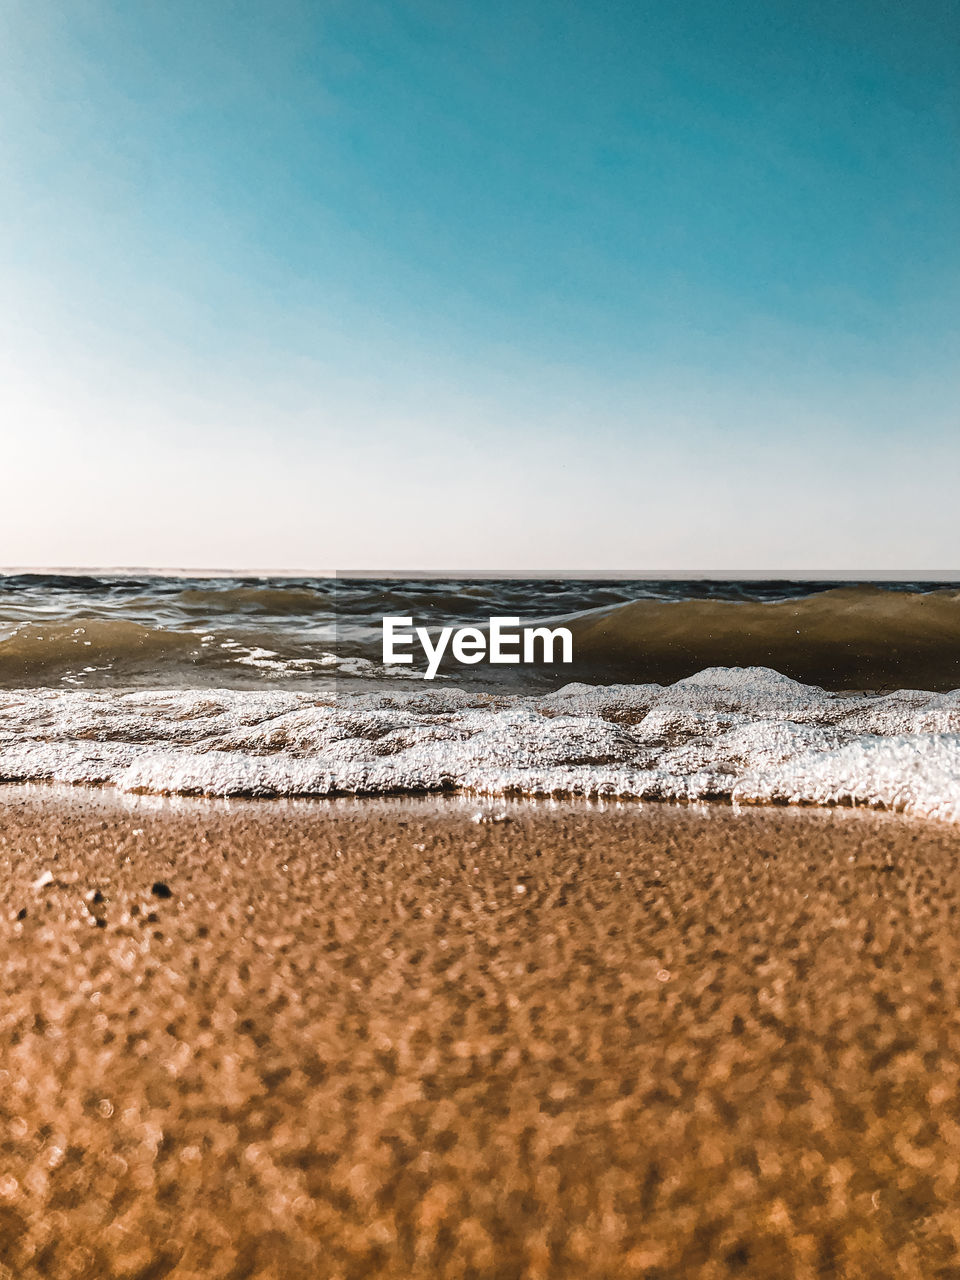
(381, 1039)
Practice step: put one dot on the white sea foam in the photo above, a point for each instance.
(745, 734)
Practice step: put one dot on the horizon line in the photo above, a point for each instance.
(644, 575)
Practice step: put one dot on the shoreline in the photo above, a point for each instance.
(477, 806)
(376, 1037)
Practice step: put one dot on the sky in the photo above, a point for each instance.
(558, 285)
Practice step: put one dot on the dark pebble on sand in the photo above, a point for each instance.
(161, 890)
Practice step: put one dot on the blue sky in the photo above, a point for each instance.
(544, 285)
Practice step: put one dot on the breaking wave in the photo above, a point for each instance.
(861, 637)
(746, 735)
(32, 650)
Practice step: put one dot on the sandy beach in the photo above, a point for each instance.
(386, 1039)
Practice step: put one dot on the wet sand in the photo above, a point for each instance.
(380, 1039)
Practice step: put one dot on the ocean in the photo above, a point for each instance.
(737, 691)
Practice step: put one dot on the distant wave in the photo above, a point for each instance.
(741, 735)
(262, 600)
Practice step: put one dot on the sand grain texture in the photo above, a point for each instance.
(384, 1040)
